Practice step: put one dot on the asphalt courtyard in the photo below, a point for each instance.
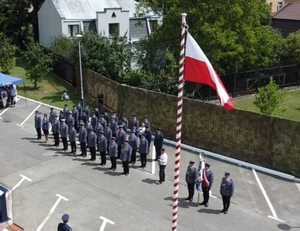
(48, 182)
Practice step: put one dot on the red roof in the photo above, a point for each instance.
(291, 12)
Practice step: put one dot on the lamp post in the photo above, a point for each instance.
(79, 36)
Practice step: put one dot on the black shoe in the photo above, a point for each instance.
(202, 203)
(206, 205)
(225, 212)
(222, 211)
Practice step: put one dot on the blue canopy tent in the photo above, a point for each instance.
(6, 80)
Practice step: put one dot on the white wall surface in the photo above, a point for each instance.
(49, 24)
(104, 19)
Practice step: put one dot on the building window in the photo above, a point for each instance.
(73, 30)
(153, 25)
(114, 29)
(89, 26)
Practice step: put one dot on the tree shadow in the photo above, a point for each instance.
(209, 211)
(150, 181)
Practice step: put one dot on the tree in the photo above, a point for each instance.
(268, 98)
(38, 63)
(291, 51)
(7, 54)
(234, 34)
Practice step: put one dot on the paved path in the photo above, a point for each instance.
(99, 199)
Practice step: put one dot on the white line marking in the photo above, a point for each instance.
(27, 118)
(274, 214)
(105, 221)
(60, 197)
(153, 160)
(5, 110)
(35, 101)
(20, 182)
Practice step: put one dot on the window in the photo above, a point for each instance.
(89, 26)
(114, 29)
(153, 25)
(73, 30)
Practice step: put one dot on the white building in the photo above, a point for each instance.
(66, 18)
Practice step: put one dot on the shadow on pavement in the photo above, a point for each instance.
(182, 202)
(113, 173)
(90, 164)
(150, 181)
(287, 227)
(209, 211)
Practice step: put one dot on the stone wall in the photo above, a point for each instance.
(271, 142)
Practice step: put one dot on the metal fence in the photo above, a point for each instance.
(248, 82)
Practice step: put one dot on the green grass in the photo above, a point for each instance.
(49, 89)
(289, 108)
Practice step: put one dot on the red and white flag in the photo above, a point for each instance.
(198, 69)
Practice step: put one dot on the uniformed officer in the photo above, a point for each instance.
(64, 225)
(134, 123)
(38, 124)
(226, 190)
(65, 111)
(70, 120)
(64, 132)
(144, 150)
(102, 147)
(190, 179)
(114, 126)
(126, 152)
(148, 135)
(52, 116)
(207, 181)
(158, 143)
(75, 114)
(108, 134)
(99, 128)
(121, 135)
(113, 153)
(83, 139)
(56, 131)
(72, 139)
(94, 121)
(133, 141)
(92, 143)
(45, 126)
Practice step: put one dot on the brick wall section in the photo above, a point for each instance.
(247, 136)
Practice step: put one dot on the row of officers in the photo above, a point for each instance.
(100, 132)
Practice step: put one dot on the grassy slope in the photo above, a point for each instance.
(50, 89)
(289, 109)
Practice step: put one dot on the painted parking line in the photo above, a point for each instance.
(28, 117)
(105, 221)
(59, 199)
(274, 214)
(23, 178)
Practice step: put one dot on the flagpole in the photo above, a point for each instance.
(179, 124)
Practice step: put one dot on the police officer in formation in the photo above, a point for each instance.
(100, 133)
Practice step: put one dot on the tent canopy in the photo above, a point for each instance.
(6, 80)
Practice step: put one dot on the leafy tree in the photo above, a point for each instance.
(291, 51)
(7, 54)
(19, 20)
(38, 63)
(268, 98)
(64, 47)
(234, 34)
(109, 57)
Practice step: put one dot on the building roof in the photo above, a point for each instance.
(291, 12)
(83, 9)
(86, 9)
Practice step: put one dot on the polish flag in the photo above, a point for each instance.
(198, 69)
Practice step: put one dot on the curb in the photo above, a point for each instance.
(235, 161)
